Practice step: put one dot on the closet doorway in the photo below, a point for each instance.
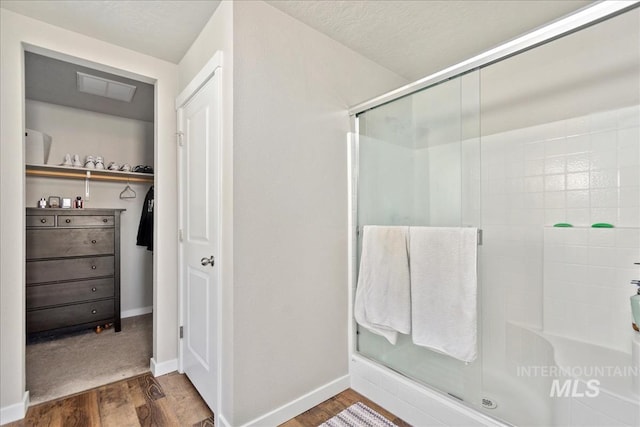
(89, 161)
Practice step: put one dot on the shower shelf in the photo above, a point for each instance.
(51, 171)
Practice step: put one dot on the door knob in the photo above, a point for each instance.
(208, 261)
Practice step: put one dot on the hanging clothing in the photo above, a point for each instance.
(145, 229)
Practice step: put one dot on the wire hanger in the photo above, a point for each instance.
(128, 192)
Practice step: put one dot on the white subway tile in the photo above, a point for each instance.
(514, 169)
(578, 181)
(534, 167)
(604, 198)
(604, 257)
(555, 147)
(604, 160)
(576, 254)
(534, 184)
(556, 164)
(536, 200)
(629, 217)
(603, 141)
(604, 178)
(580, 143)
(629, 177)
(629, 137)
(554, 199)
(578, 162)
(577, 198)
(602, 237)
(534, 150)
(629, 197)
(602, 276)
(628, 238)
(554, 182)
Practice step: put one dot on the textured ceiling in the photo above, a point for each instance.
(417, 38)
(162, 28)
(412, 38)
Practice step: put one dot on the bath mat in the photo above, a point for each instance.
(358, 415)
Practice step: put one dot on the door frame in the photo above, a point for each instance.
(212, 67)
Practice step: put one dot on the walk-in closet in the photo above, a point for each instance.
(89, 154)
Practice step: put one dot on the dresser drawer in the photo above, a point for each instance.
(70, 315)
(68, 292)
(85, 220)
(56, 243)
(41, 220)
(69, 269)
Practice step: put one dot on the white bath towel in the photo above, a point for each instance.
(444, 289)
(383, 293)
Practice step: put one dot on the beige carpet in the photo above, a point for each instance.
(81, 361)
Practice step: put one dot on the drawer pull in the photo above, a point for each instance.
(94, 311)
(68, 221)
(93, 289)
(43, 220)
(105, 220)
(93, 267)
(93, 241)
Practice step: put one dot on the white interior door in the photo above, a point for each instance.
(199, 122)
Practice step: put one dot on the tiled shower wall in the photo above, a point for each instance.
(587, 275)
(581, 171)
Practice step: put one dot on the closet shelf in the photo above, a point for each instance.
(51, 171)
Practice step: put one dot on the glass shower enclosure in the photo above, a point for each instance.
(517, 147)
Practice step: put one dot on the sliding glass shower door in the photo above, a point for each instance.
(419, 165)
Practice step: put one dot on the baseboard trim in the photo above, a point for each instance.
(16, 411)
(301, 404)
(136, 312)
(163, 368)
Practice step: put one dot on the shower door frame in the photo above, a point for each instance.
(583, 18)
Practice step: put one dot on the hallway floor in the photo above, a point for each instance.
(169, 400)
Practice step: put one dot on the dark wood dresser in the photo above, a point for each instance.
(72, 269)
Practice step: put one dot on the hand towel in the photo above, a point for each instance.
(444, 289)
(383, 293)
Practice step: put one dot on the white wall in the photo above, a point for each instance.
(14, 31)
(115, 139)
(88, 133)
(292, 87)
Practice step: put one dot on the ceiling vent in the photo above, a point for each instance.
(105, 87)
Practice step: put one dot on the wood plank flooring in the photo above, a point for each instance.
(169, 400)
